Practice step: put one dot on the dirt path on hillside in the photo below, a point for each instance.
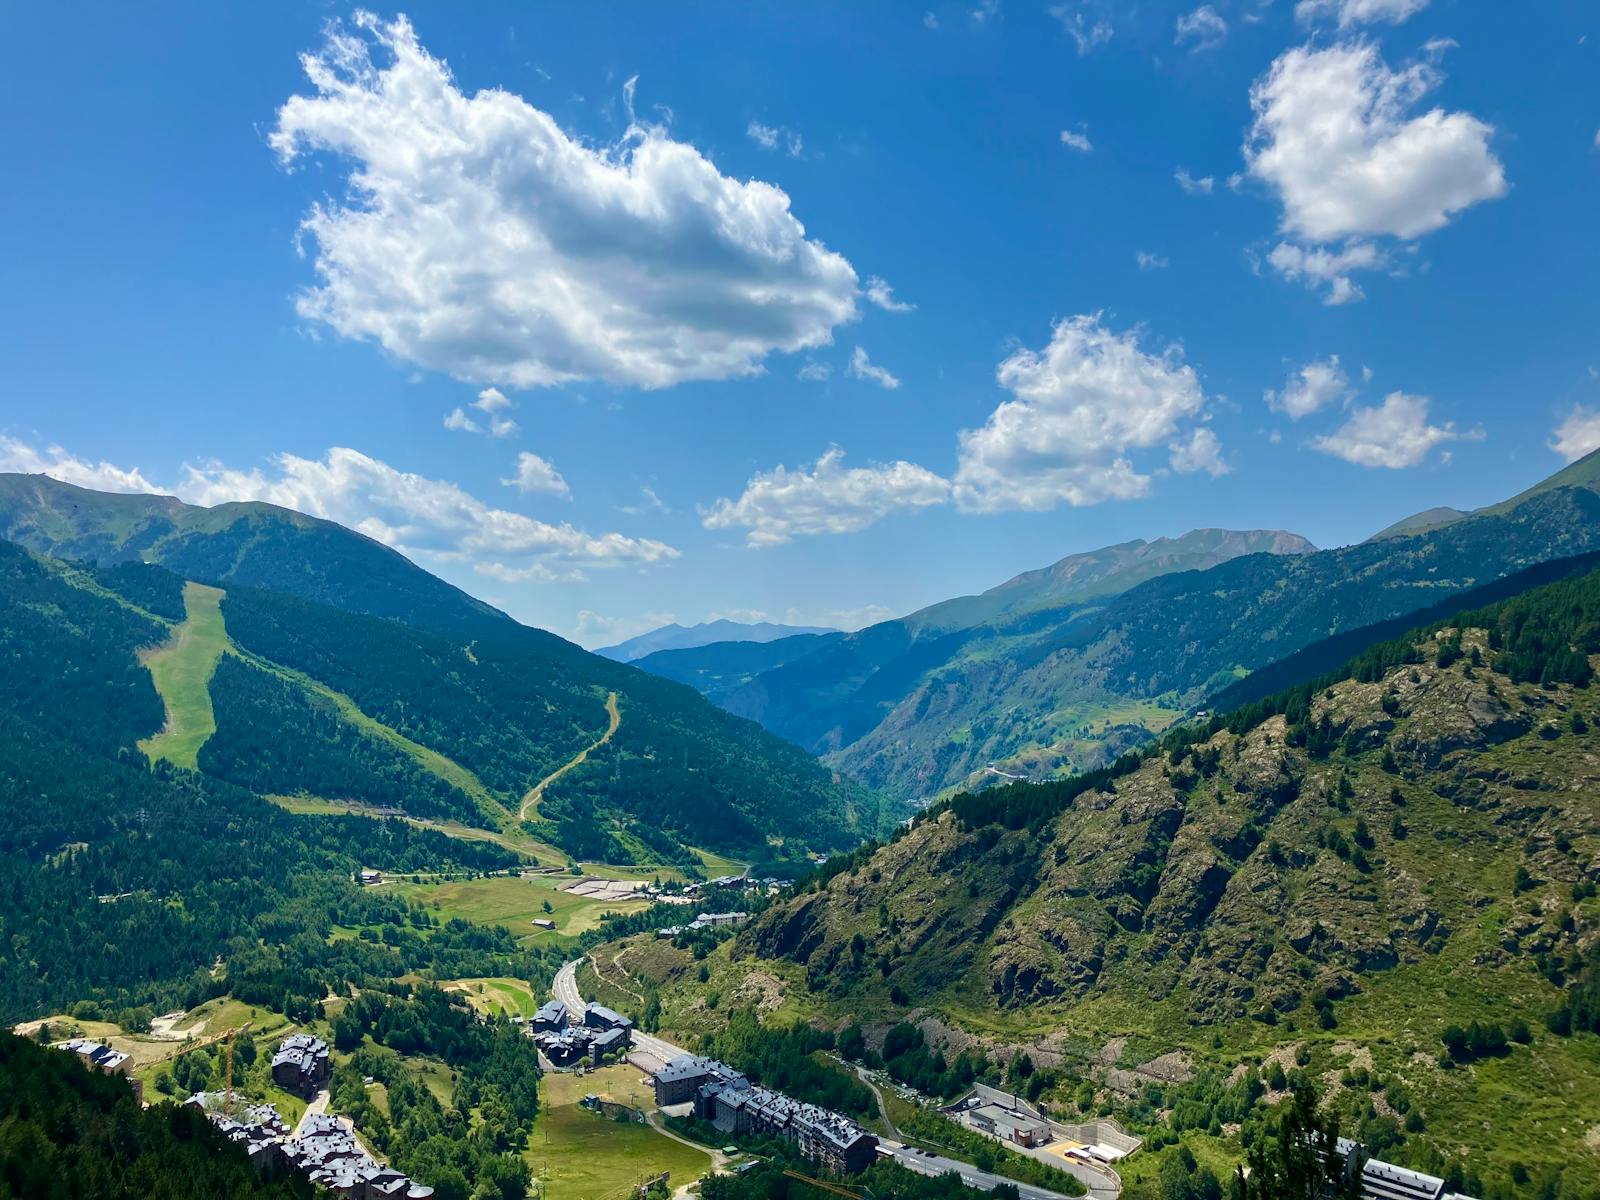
(530, 802)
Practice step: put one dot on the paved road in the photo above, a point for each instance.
(565, 989)
(925, 1164)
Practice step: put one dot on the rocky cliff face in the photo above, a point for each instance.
(1248, 875)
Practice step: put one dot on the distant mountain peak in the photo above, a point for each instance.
(688, 637)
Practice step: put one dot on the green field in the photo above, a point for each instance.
(182, 672)
(513, 997)
(515, 903)
(584, 1156)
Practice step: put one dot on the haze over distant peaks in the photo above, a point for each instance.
(687, 637)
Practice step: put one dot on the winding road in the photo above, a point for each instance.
(530, 802)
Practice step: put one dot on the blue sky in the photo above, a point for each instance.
(615, 314)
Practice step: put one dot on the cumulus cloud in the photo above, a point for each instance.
(1150, 262)
(1327, 268)
(410, 512)
(1202, 452)
(1076, 140)
(827, 497)
(1578, 434)
(18, 456)
(1195, 187)
(1359, 12)
(1394, 434)
(815, 372)
(862, 367)
(1085, 24)
(478, 238)
(1312, 388)
(535, 474)
(493, 404)
(1336, 136)
(1080, 409)
(881, 294)
(1204, 27)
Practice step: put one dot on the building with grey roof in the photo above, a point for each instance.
(301, 1064)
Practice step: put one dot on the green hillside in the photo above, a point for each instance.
(1065, 689)
(375, 682)
(1333, 877)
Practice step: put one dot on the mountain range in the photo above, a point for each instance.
(1383, 875)
(339, 670)
(1059, 670)
(687, 637)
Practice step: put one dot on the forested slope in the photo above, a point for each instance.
(507, 703)
(68, 1133)
(1408, 844)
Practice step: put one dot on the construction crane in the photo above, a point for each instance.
(227, 1067)
(848, 1193)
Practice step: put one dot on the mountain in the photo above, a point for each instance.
(1332, 877)
(1431, 518)
(353, 675)
(1067, 667)
(686, 637)
(256, 545)
(1105, 572)
(1582, 473)
(828, 692)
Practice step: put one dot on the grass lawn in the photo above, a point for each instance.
(182, 672)
(584, 1156)
(515, 903)
(513, 997)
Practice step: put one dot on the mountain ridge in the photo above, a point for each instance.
(688, 637)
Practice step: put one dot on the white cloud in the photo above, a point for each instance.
(492, 403)
(412, 513)
(815, 372)
(17, 456)
(1578, 434)
(477, 237)
(1195, 187)
(1394, 434)
(828, 497)
(1359, 12)
(1312, 388)
(536, 572)
(768, 137)
(1150, 262)
(1327, 267)
(1334, 136)
(648, 502)
(1081, 407)
(880, 293)
(1202, 452)
(984, 12)
(1204, 27)
(862, 367)
(1088, 30)
(930, 20)
(535, 474)
(1076, 141)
